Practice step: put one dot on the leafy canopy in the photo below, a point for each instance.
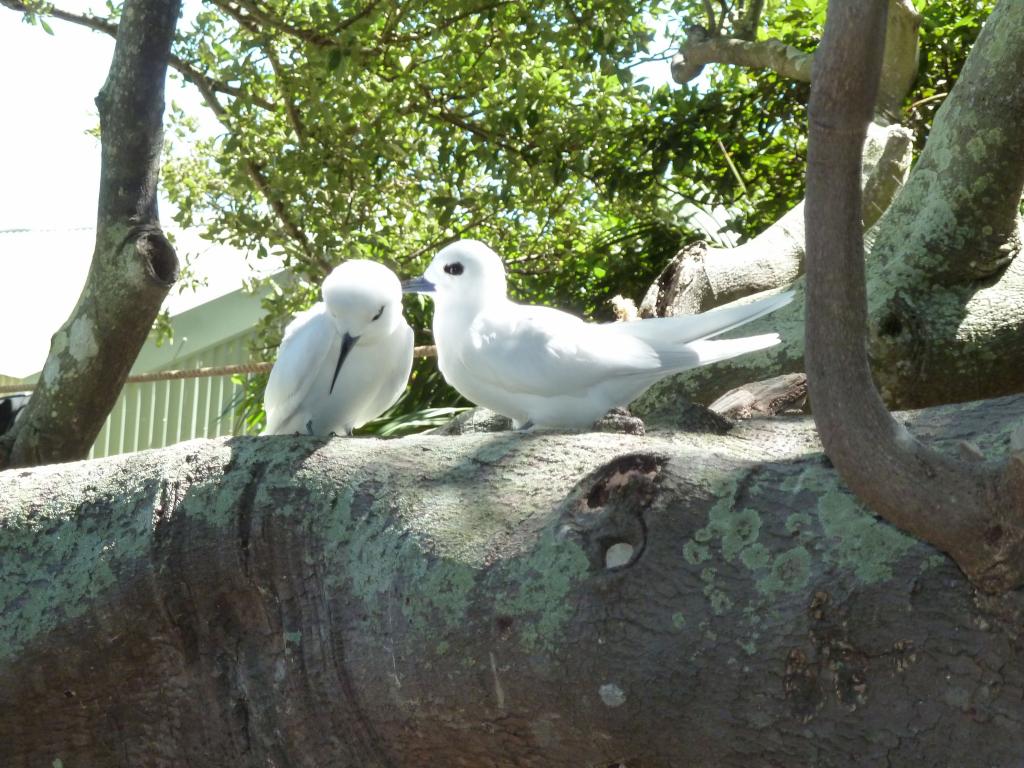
(382, 130)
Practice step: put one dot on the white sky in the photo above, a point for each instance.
(49, 177)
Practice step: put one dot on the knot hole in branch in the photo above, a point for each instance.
(157, 254)
(605, 512)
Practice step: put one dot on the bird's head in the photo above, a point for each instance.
(465, 271)
(364, 299)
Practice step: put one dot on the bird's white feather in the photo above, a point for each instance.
(313, 387)
(541, 365)
(303, 350)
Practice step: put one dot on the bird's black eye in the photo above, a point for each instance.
(455, 268)
(379, 313)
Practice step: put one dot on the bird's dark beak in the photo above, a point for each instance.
(418, 285)
(347, 342)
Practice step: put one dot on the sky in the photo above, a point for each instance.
(49, 177)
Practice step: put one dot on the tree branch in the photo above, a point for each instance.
(700, 277)
(700, 49)
(133, 265)
(501, 600)
(746, 26)
(950, 234)
(898, 72)
(248, 13)
(973, 511)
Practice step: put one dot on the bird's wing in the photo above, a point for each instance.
(396, 365)
(306, 342)
(546, 352)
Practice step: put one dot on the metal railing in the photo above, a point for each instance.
(160, 408)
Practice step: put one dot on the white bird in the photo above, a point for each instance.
(543, 367)
(345, 360)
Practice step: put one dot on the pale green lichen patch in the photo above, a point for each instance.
(56, 561)
(789, 572)
(51, 370)
(422, 556)
(749, 645)
(82, 341)
(696, 553)
(544, 579)
(678, 620)
(719, 601)
(755, 556)
(372, 553)
(64, 544)
(740, 530)
(733, 529)
(859, 541)
(799, 523)
(844, 533)
(413, 571)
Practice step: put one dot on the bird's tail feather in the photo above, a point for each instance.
(713, 350)
(686, 328)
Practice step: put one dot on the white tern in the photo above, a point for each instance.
(345, 360)
(543, 367)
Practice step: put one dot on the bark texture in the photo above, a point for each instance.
(944, 281)
(700, 277)
(945, 296)
(970, 509)
(496, 599)
(133, 264)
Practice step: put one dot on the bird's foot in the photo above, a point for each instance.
(620, 420)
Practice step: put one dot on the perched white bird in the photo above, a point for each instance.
(345, 360)
(544, 367)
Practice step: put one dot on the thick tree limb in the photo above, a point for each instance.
(944, 308)
(899, 69)
(700, 49)
(701, 277)
(133, 265)
(950, 232)
(500, 600)
(936, 346)
(973, 511)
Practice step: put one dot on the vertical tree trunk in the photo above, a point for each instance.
(133, 265)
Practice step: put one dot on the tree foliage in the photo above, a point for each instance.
(377, 129)
(383, 130)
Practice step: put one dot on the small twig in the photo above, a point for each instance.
(933, 97)
(732, 165)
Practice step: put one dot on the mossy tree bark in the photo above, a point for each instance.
(133, 264)
(946, 320)
(500, 599)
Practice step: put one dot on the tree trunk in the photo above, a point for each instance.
(133, 265)
(944, 283)
(511, 599)
(700, 278)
